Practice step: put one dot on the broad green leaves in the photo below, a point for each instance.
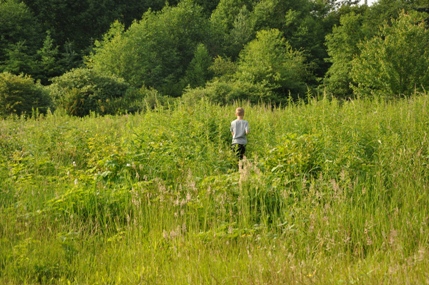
(378, 51)
(395, 62)
(155, 51)
(270, 59)
(268, 70)
(342, 47)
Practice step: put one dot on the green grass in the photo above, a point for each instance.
(330, 193)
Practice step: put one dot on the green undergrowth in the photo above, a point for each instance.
(329, 193)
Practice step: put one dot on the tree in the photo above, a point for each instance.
(80, 22)
(156, 51)
(19, 60)
(231, 27)
(305, 30)
(47, 60)
(357, 24)
(270, 14)
(22, 48)
(75, 25)
(19, 95)
(241, 33)
(198, 71)
(396, 61)
(268, 70)
(270, 60)
(342, 46)
(20, 37)
(226, 11)
(208, 5)
(304, 24)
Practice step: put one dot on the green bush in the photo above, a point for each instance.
(19, 95)
(82, 91)
(221, 92)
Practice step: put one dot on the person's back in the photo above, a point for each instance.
(239, 130)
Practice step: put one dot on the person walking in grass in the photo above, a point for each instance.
(239, 130)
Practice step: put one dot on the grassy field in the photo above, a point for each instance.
(330, 193)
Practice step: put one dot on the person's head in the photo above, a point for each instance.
(239, 112)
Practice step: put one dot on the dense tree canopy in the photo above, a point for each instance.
(342, 46)
(356, 24)
(20, 37)
(156, 50)
(226, 49)
(395, 62)
(83, 21)
(270, 60)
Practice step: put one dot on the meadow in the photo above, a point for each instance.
(330, 193)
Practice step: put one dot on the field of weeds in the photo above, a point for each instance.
(329, 193)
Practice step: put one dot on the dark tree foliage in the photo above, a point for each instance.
(169, 45)
(19, 29)
(207, 5)
(75, 21)
(73, 27)
(306, 29)
(80, 22)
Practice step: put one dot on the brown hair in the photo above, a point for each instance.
(239, 112)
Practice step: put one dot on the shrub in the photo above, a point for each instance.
(221, 92)
(20, 94)
(81, 91)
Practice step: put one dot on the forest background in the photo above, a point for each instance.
(108, 56)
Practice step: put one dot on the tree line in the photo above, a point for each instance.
(108, 56)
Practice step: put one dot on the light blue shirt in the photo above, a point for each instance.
(239, 130)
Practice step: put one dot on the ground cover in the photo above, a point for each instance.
(330, 193)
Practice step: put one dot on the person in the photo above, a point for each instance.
(239, 129)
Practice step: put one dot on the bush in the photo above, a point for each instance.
(82, 91)
(151, 99)
(20, 94)
(224, 93)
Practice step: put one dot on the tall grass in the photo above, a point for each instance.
(330, 193)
